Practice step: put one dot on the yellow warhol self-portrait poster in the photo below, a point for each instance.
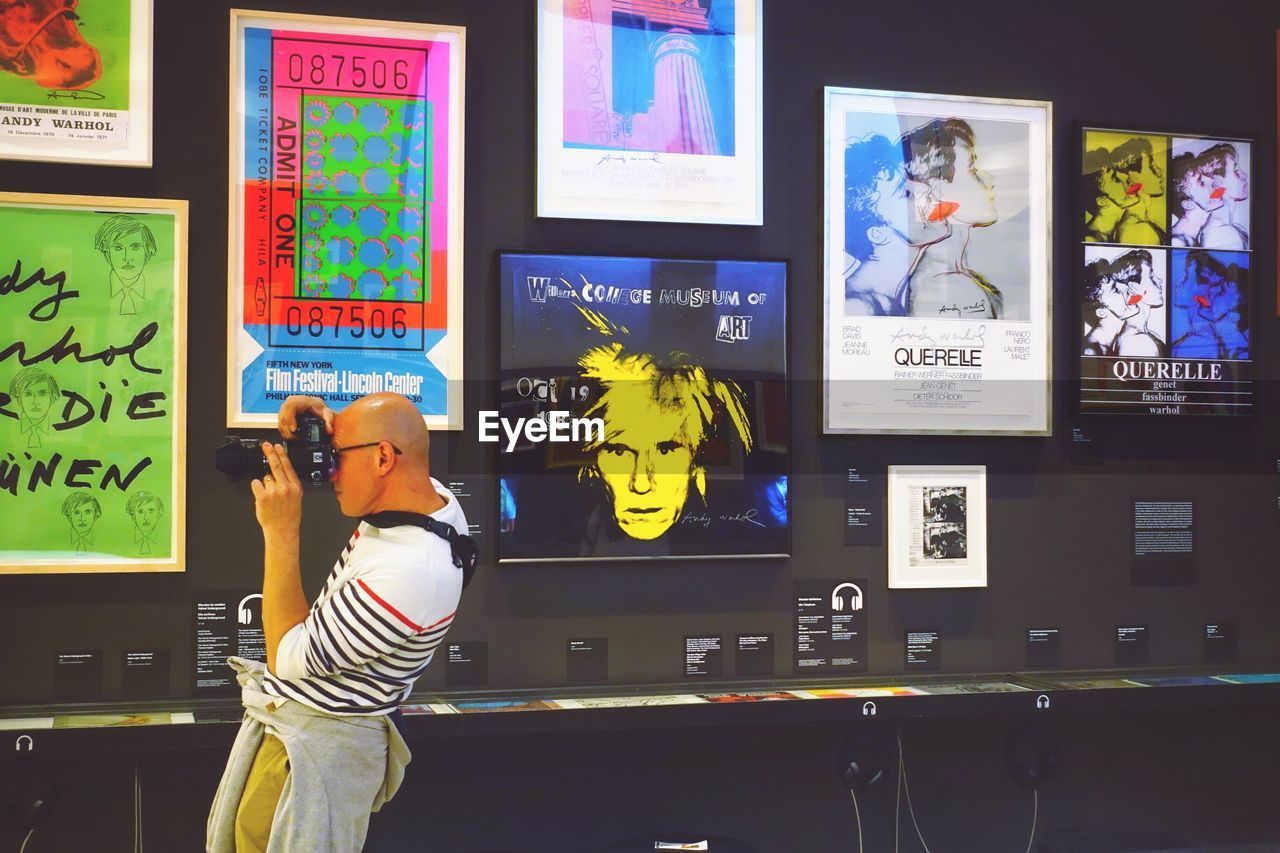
(667, 379)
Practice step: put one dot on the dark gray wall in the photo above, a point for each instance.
(1059, 531)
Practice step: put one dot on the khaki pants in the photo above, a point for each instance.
(261, 794)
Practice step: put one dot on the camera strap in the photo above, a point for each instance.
(465, 551)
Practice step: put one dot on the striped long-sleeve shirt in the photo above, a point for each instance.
(384, 609)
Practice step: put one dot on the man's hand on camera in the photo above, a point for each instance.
(277, 497)
(294, 406)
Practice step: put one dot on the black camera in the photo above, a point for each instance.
(311, 453)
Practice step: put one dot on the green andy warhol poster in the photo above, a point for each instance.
(92, 384)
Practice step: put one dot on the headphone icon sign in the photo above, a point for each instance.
(1042, 702)
(869, 709)
(855, 597)
(245, 615)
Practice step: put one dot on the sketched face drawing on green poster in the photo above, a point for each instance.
(127, 245)
(82, 511)
(146, 509)
(34, 392)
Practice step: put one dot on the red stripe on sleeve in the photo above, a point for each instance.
(396, 613)
(441, 622)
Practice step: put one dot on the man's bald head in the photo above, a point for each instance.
(387, 416)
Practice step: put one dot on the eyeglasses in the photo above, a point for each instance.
(338, 450)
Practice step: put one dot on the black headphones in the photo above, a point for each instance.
(465, 551)
(863, 760)
(27, 793)
(1031, 752)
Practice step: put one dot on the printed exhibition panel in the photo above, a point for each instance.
(92, 384)
(75, 81)
(346, 225)
(1165, 281)
(650, 111)
(681, 367)
(937, 308)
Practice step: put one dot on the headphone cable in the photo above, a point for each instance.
(1035, 815)
(857, 813)
(906, 786)
(137, 809)
(25, 840)
(897, 800)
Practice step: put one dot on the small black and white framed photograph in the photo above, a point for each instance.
(937, 526)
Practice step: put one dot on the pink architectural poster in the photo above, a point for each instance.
(650, 109)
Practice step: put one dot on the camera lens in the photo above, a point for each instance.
(240, 459)
(310, 453)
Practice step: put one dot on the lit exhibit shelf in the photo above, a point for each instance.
(213, 723)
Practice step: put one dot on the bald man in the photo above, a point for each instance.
(337, 670)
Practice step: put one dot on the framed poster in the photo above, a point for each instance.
(1165, 274)
(92, 384)
(937, 300)
(937, 526)
(75, 81)
(346, 214)
(677, 370)
(650, 111)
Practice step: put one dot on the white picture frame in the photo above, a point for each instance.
(100, 112)
(664, 149)
(937, 526)
(937, 305)
(295, 323)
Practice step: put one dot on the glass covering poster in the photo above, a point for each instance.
(668, 380)
(1166, 275)
(75, 81)
(92, 384)
(650, 110)
(937, 300)
(346, 214)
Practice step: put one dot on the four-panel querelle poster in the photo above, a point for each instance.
(344, 251)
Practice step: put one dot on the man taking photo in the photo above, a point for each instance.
(318, 750)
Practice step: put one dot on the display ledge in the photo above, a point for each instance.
(213, 723)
